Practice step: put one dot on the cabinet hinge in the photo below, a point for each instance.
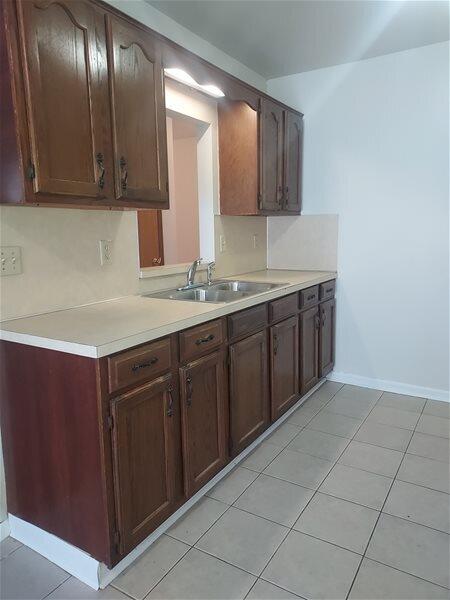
(31, 171)
(117, 540)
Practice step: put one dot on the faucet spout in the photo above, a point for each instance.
(192, 271)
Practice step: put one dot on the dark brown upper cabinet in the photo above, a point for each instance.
(63, 52)
(260, 156)
(138, 114)
(293, 152)
(204, 411)
(144, 439)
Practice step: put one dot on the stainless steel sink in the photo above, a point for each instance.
(249, 287)
(219, 291)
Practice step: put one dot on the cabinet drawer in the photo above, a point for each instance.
(327, 290)
(283, 307)
(247, 321)
(138, 365)
(309, 297)
(198, 340)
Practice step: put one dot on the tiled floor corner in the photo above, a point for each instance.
(349, 498)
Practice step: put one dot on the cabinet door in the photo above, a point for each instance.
(150, 232)
(64, 60)
(144, 442)
(309, 349)
(271, 153)
(138, 115)
(249, 390)
(203, 410)
(327, 333)
(283, 366)
(293, 150)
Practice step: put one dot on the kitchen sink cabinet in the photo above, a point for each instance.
(111, 456)
(145, 429)
(284, 383)
(204, 415)
(249, 390)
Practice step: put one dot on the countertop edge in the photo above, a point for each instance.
(125, 343)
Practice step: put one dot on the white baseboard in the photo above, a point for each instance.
(4, 529)
(390, 386)
(94, 573)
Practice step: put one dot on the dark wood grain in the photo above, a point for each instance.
(249, 390)
(327, 337)
(247, 321)
(284, 383)
(198, 341)
(144, 444)
(271, 156)
(150, 234)
(327, 290)
(283, 307)
(204, 429)
(309, 348)
(309, 297)
(293, 162)
(55, 474)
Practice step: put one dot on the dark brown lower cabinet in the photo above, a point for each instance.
(283, 366)
(144, 437)
(327, 333)
(204, 428)
(249, 390)
(309, 349)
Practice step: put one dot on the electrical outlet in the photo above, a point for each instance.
(222, 244)
(10, 260)
(255, 241)
(105, 252)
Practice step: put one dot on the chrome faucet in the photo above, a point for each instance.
(209, 272)
(191, 272)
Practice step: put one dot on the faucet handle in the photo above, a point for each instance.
(209, 271)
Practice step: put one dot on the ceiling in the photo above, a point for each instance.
(281, 37)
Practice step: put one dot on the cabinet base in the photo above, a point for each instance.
(96, 574)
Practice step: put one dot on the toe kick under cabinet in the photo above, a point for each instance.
(100, 452)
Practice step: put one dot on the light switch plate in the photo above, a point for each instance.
(106, 247)
(10, 260)
(222, 244)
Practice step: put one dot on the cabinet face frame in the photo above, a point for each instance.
(327, 337)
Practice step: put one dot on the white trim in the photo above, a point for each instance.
(4, 529)
(390, 386)
(94, 573)
(73, 560)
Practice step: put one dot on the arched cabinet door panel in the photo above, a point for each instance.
(138, 115)
(293, 155)
(271, 156)
(63, 53)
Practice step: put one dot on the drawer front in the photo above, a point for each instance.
(139, 365)
(199, 340)
(327, 290)
(247, 321)
(283, 307)
(309, 297)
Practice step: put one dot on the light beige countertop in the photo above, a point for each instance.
(103, 328)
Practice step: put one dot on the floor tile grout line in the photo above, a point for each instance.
(381, 512)
(379, 562)
(274, 585)
(57, 587)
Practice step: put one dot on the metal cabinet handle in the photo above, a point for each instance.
(317, 322)
(124, 177)
(169, 412)
(101, 165)
(156, 261)
(275, 344)
(149, 363)
(311, 297)
(204, 340)
(324, 317)
(189, 390)
(329, 290)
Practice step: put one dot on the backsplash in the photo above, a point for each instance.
(61, 265)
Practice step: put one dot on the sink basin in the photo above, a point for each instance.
(249, 287)
(219, 291)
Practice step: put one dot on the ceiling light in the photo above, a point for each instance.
(183, 77)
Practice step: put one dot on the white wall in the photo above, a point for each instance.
(376, 153)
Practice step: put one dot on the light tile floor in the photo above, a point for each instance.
(347, 499)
